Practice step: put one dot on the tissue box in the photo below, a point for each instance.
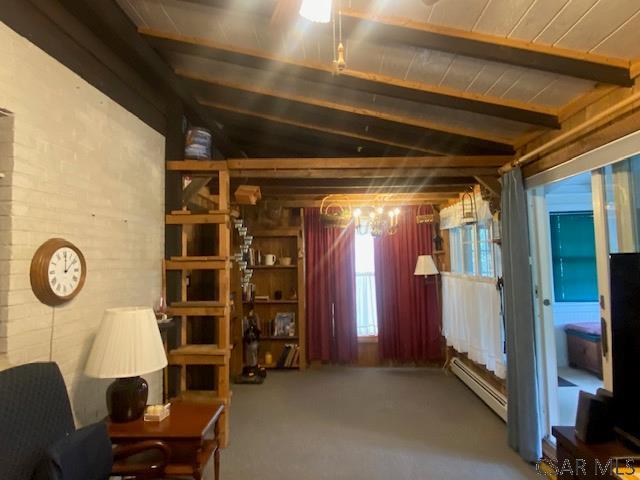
(157, 413)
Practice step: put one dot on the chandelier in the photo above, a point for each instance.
(376, 220)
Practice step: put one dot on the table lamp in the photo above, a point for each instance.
(426, 266)
(128, 344)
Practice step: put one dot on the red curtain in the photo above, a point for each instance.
(331, 291)
(408, 312)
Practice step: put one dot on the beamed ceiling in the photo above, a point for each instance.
(459, 78)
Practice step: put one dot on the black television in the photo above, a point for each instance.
(624, 269)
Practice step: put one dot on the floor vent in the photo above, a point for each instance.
(489, 394)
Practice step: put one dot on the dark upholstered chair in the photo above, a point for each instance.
(35, 413)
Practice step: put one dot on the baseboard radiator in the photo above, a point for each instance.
(489, 395)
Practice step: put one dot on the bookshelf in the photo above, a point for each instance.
(282, 288)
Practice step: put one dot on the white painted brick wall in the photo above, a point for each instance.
(83, 168)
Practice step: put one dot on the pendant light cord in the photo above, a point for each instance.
(53, 322)
(340, 20)
(333, 16)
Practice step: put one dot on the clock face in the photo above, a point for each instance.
(58, 272)
(65, 271)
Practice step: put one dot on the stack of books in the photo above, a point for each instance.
(289, 357)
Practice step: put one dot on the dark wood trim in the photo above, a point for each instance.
(51, 28)
(97, 40)
(122, 34)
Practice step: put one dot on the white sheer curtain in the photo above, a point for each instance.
(471, 319)
(366, 311)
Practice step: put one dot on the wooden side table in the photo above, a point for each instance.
(572, 450)
(191, 431)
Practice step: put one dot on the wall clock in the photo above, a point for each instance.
(58, 272)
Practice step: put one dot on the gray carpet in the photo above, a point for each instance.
(357, 423)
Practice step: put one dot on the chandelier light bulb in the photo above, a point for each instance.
(357, 212)
(318, 11)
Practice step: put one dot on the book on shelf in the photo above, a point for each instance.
(261, 298)
(289, 357)
(284, 325)
(248, 292)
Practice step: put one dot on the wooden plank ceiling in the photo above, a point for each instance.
(456, 78)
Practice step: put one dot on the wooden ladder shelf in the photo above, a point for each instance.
(204, 354)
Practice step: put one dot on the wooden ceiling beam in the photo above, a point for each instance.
(238, 125)
(392, 189)
(277, 99)
(304, 203)
(400, 200)
(316, 127)
(273, 137)
(365, 173)
(328, 126)
(388, 29)
(371, 82)
(460, 161)
(268, 146)
(436, 182)
(492, 184)
(573, 63)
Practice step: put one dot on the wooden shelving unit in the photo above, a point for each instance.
(282, 241)
(204, 351)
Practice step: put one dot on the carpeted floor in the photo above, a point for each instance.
(374, 424)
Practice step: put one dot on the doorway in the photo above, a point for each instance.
(576, 221)
(567, 284)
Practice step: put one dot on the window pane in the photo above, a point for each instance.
(468, 250)
(366, 312)
(364, 254)
(455, 241)
(622, 188)
(485, 250)
(574, 257)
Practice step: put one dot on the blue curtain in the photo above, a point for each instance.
(523, 422)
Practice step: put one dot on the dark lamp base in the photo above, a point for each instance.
(127, 399)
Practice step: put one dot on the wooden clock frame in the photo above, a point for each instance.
(39, 273)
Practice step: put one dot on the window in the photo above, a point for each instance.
(472, 251)
(573, 255)
(455, 240)
(485, 250)
(366, 311)
(469, 249)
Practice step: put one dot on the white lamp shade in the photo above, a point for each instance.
(316, 10)
(426, 266)
(128, 344)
